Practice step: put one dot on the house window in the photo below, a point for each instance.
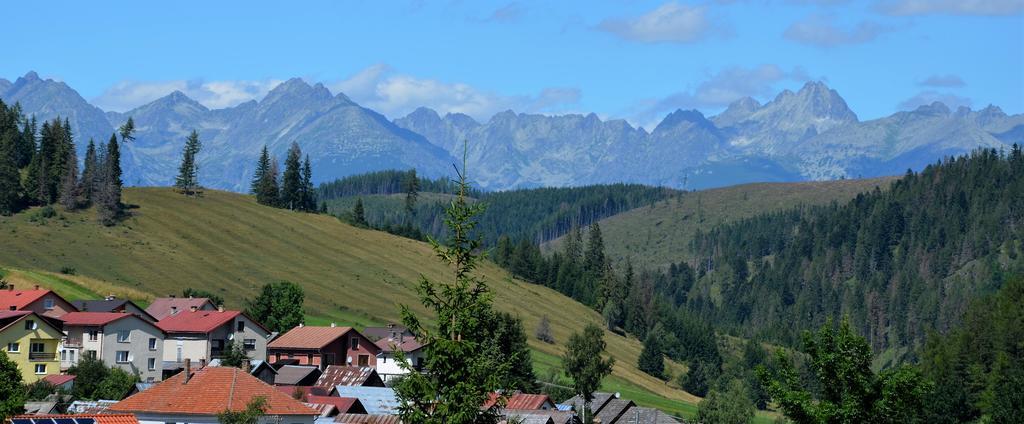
(240, 326)
(329, 359)
(152, 343)
(48, 304)
(364, 360)
(63, 355)
(13, 347)
(40, 368)
(151, 364)
(122, 336)
(37, 348)
(31, 325)
(122, 357)
(91, 354)
(354, 343)
(249, 344)
(94, 335)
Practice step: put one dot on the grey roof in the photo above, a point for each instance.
(376, 400)
(340, 375)
(254, 365)
(600, 399)
(614, 409)
(533, 416)
(40, 408)
(292, 375)
(108, 306)
(641, 415)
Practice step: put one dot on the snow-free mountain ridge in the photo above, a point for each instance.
(810, 134)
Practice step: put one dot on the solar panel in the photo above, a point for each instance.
(64, 420)
(85, 421)
(20, 421)
(43, 421)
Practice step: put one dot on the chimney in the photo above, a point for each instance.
(10, 286)
(193, 308)
(246, 366)
(171, 296)
(188, 370)
(111, 297)
(37, 286)
(202, 363)
(220, 308)
(333, 325)
(301, 325)
(174, 310)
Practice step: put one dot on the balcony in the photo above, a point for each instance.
(69, 342)
(42, 356)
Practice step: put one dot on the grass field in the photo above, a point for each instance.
(226, 243)
(660, 234)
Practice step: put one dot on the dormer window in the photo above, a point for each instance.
(48, 304)
(240, 326)
(31, 325)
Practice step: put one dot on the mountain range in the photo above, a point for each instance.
(810, 134)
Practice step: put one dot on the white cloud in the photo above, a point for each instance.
(950, 7)
(930, 96)
(822, 31)
(943, 81)
(717, 91)
(382, 89)
(126, 95)
(669, 23)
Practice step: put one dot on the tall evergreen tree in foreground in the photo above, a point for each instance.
(308, 191)
(69, 187)
(109, 208)
(464, 363)
(10, 180)
(188, 180)
(291, 181)
(264, 180)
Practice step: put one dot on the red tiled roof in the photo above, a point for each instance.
(367, 419)
(163, 307)
(305, 390)
(196, 321)
(408, 344)
(308, 337)
(58, 379)
(522, 401)
(100, 418)
(8, 318)
(19, 298)
(92, 318)
(210, 391)
(344, 404)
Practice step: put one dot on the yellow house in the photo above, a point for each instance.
(30, 340)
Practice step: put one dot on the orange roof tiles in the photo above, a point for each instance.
(210, 391)
(308, 337)
(19, 298)
(58, 379)
(523, 401)
(196, 321)
(100, 418)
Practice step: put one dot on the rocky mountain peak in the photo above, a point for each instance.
(680, 117)
(935, 109)
(737, 112)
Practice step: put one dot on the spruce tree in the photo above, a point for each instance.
(110, 190)
(70, 188)
(26, 147)
(651, 360)
(264, 180)
(188, 180)
(308, 192)
(291, 181)
(412, 193)
(10, 180)
(358, 214)
(90, 174)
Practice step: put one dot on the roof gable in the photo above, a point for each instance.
(199, 321)
(163, 307)
(9, 319)
(210, 391)
(13, 300)
(309, 337)
(101, 319)
(340, 375)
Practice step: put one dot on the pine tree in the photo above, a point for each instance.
(308, 192)
(188, 179)
(291, 182)
(90, 174)
(358, 214)
(651, 360)
(264, 180)
(583, 362)
(412, 194)
(10, 182)
(110, 189)
(26, 147)
(70, 188)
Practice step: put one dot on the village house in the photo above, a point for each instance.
(339, 375)
(388, 365)
(203, 335)
(113, 304)
(31, 340)
(198, 396)
(324, 346)
(611, 409)
(41, 301)
(257, 368)
(297, 375)
(119, 339)
(163, 307)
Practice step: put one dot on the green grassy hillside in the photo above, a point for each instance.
(660, 234)
(228, 244)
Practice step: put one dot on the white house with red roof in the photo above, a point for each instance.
(388, 364)
(119, 339)
(202, 335)
(41, 301)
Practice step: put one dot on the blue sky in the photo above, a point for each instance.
(620, 59)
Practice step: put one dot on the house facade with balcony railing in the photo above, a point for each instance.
(119, 339)
(31, 340)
